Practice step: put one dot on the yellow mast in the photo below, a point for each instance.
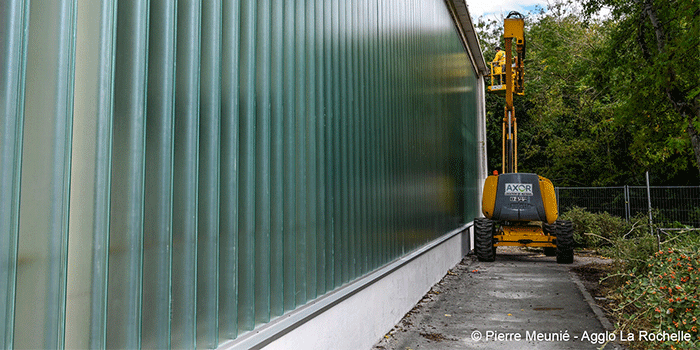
(513, 29)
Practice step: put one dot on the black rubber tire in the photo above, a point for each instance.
(549, 230)
(483, 239)
(565, 242)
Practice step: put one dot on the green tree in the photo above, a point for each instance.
(569, 120)
(653, 72)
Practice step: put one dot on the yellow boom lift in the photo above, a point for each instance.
(520, 209)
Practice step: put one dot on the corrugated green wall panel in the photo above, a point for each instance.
(262, 180)
(289, 110)
(247, 132)
(186, 174)
(41, 263)
(300, 113)
(277, 161)
(209, 177)
(239, 158)
(229, 186)
(45, 177)
(91, 175)
(128, 177)
(14, 19)
(158, 225)
(309, 129)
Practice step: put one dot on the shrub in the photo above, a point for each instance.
(593, 230)
(659, 290)
(665, 297)
(632, 253)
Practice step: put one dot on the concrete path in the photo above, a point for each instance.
(524, 300)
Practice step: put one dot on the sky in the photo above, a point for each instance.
(501, 8)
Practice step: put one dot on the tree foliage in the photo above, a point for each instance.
(604, 101)
(654, 51)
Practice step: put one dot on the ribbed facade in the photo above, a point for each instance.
(177, 173)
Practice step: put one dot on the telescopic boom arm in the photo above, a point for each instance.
(513, 27)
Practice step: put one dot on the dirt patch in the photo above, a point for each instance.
(595, 277)
(436, 337)
(592, 276)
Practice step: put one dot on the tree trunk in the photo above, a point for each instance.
(658, 28)
(694, 140)
(689, 110)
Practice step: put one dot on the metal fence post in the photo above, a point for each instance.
(627, 203)
(651, 229)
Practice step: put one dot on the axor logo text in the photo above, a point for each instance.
(518, 189)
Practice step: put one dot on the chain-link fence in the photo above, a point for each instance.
(670, 204)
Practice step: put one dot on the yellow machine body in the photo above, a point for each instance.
(488, 200)
(546, 190)
(501, 204)
(514, 28)
(524, 236)
(549, 198)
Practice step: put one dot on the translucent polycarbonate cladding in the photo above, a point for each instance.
(175, 174)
